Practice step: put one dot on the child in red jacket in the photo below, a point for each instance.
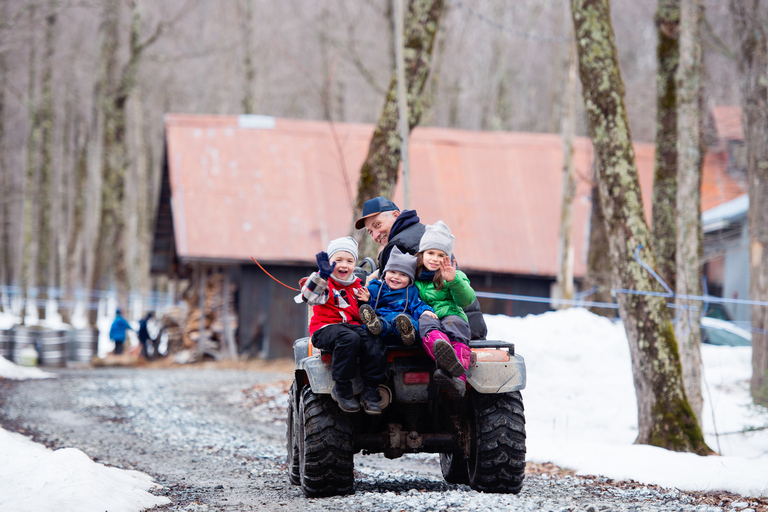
(335, 327)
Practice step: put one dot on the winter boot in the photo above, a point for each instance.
(371, 401)
(406, 329)
(430, 339)
(447, 359)
(345, 398)
(370, 320)
(464, 353)
(454, 386)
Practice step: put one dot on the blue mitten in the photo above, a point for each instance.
(326, 269)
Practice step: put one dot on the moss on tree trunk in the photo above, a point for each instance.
(665, 418)
(665, 169)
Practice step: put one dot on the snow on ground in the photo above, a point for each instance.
(36, 479)
(581, 410)
(580, 414)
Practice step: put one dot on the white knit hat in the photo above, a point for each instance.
(437, 236)
(346, 244)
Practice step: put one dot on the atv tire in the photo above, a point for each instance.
(454, 468)
(497, 463)
(326, 446)
(292, 439)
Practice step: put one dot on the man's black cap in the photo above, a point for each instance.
(373, 207)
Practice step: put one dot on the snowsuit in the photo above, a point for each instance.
(335, 327)
(143, 335)
(448, 303)
(406, 233)
(389, 303)
(117, 332)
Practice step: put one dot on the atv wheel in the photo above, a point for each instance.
(291, 438)
(326, 456)
(454, 468)
(497, 463)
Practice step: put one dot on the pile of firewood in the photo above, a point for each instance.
(184, 330)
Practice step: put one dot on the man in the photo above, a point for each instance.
(389, 227)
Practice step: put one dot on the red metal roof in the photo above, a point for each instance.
(728, 122)
(280, 193)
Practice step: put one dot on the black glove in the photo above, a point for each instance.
(326, 269)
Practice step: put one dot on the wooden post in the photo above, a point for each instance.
(201, 302)
(225, 316)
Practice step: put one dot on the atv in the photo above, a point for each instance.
(480, 437)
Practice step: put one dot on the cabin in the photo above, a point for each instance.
(242, 191)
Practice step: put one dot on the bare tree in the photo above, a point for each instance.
(565, 246)
(379, 172)
(751, 20)
(246, 35)
(690, 158)
(665, 417)
(31, 214)
(664, 203)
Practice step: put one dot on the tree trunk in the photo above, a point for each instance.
(599, 278)
(664, 214)
(690, 80)
(46, 262)
(750, 27)
(665, 418)
(378, 175)
(565, 245)
(246, 36)
(5, 183)
(31, 215)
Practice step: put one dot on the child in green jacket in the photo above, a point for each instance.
(447, 290)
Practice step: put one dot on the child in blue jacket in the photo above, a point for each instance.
(394, 306)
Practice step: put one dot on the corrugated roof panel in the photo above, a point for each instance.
(280, 194)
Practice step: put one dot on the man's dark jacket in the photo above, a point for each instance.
(406, 234)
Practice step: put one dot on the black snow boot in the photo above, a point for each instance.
(454, 386)
(370, 320)
(371, 401)
(406, 329)
(343, 396)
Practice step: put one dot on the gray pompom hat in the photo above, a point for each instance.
(346, 244)
(437, 236)
(402, 262)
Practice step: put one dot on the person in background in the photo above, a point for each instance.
(117, 331)
(143, 334)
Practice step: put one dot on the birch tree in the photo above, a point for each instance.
(690, 157)
(665, 417)
(565, 245)
(750, 22)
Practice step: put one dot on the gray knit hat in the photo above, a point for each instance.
(405, 263)
(437, 236)
(347, 244)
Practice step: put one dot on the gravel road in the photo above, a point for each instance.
(215, 439)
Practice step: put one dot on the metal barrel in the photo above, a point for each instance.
(83, 345)
(6, 343)
(53, 348)
(23, 338)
